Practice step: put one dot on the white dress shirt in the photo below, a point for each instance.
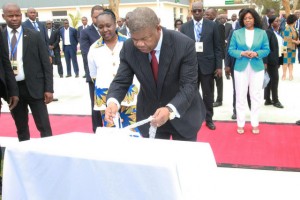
(21, 74)
(67, 37)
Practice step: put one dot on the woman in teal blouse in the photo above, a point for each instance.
(249, 45)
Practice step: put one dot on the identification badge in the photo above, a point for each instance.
(199, 46)
(15, 67)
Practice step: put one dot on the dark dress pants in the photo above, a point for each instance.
(57, 61)
(207, 86)
(273, 84)
(70, 54)
(39, 113)
(167, 131)
(85, 64)
(219, 86)
(96, 115)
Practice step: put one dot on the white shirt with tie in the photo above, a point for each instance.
(21, 74)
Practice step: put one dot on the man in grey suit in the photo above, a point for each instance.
(265, 19)
(125, 30)
(206, 36)
(33, 73)
(168, 85)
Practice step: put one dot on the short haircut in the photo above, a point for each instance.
(96, 7)
(255, 15)
(291, 19)
(141, 18)
(178, 20)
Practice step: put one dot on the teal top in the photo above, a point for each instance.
(260, 46)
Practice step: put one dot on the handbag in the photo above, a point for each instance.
(266, 80)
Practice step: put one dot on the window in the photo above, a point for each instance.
(59, 13)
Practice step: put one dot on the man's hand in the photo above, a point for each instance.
(227, 72)
(110, 112)
(218, 73)
(160, 117)
(48, 97)
(50, 59)
(51, 47)
(13, 101)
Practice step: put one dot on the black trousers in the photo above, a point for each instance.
(167, 130)
(57, 61)
(96, 115)
(39, 113)
(219, 86)
(273, 84)
(207, 86)
(85, 64)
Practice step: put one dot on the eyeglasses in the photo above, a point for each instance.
(197, 10)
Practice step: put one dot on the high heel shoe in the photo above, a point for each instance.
(240, 130)
(255, 130)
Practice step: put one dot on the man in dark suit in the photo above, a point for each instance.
(32, 70)
(32, 23)
(8, 85)
(84, 25)
(70, 41)
(54, 39)
(265, 19)
(168, 85)
(125, 30)
(209, 55)
(211, 14)
(87, 38)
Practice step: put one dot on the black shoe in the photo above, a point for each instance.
(233, 116)
(298, 122)
(278, 105)
(61, 76)
(77, 76)
(269, 102)
(68, 76)
(217, 104)
(84, 76)
(211, 125)
(55, 99)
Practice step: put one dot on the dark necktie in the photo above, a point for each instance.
(154, 65)
(13, 44)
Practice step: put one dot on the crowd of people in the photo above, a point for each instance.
(126, 66)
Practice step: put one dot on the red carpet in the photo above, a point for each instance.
(277, 147)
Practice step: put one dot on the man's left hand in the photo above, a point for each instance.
(48, 97)
(13, 101)
(218, 73)
(161, 116)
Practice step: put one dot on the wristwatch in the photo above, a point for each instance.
(171, 113)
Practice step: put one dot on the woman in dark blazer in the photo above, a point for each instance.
(273, 61)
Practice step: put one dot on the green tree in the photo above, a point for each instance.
(75, 19)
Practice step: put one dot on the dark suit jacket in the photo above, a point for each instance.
(87, 37)
(42, 28)
(37, 67)
(54, 39)
(80, 28)
(73, 37)
(265, 24)
(228, 28)
(177, 82)
(123, 30)
(221, 28)
(273, 58)
(8, 84)
(211, 58)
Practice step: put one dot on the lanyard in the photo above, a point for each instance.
(13, 51)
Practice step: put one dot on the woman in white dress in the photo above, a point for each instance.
(104, 60)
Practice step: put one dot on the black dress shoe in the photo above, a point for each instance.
(84, 76)
(278, 105)
(298, 122)
(269, 102)
(77, 76)
(55, 99)
(61, 76)
(233, 116)
(68, 76)
(217, 104)
(211, 125)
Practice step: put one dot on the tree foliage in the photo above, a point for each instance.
(75, 19)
